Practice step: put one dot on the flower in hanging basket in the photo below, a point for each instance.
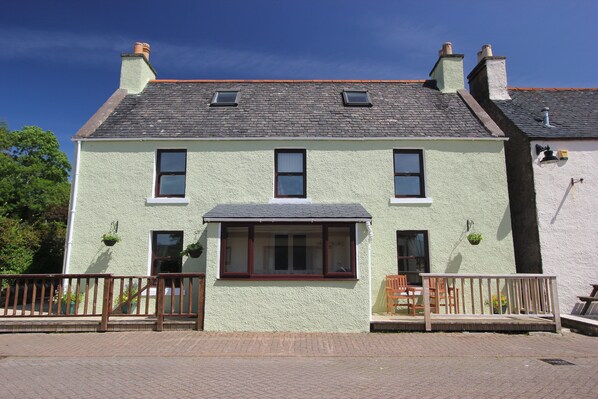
(474, 238)
(193, 250)
(109, 239)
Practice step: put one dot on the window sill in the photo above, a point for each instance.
(289, 201)
(167, 201)
(411, 201)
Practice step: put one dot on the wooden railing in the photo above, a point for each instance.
(103, 295)
(492, 295)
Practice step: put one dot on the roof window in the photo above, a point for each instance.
(225, 98)
(355, 98)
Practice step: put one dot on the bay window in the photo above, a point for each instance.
(288, 251)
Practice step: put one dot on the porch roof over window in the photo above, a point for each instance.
(309, 213)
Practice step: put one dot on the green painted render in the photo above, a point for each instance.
(135, 72)
(465, 178)
(448, 74)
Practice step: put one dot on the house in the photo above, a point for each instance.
(552, 154)
(305, 194)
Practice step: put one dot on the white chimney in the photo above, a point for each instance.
(136, 70)
(488, 80)
(448, 70)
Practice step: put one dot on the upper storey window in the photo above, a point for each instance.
(357, 98)
(409, 173)
(171, 170)
(225, 98)
(290, 173)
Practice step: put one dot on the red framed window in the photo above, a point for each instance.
(409, 173)
(288, 251)
(171, 171)
(290, 176)
(166, 252)
(413, 256)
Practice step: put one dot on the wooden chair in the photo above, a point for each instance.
(397, 290)
(440, 295)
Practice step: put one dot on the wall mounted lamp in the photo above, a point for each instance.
(548, 154)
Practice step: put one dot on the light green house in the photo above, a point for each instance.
(304, 194)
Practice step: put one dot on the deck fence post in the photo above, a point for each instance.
(200, 302)
(160, 304)
(427, 320)
(555, 305)
(106, 303)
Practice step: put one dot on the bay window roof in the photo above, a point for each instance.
(257, 213)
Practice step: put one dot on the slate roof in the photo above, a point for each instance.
(181, 109)
(573, 112)
(348, 212)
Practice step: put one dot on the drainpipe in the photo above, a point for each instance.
(368, 225)
(72, 209)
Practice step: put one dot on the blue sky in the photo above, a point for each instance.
(60, 60)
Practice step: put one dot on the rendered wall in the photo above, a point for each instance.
(466, 180)
(568, 219)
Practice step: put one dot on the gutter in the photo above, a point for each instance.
(72, 210)
(281, 138)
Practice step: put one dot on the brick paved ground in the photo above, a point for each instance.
(191, 364)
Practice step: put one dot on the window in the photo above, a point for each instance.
(287, 251)
(409, 173)
(290, 174)
(412, 255)
(166, 252)
(225, 98)
(356, 99)
(171, 172)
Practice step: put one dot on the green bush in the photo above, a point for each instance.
(19, 243)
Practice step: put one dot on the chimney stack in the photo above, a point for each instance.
(488, 80)
(136, 70)
(448, 70)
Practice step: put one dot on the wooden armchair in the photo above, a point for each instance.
(397, 290)
(442, 295)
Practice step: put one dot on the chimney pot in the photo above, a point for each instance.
(486, 51)
(138, 48)
(146, 51)
(447, 48)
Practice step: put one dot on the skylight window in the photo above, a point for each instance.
(357, 98)
(225, 98)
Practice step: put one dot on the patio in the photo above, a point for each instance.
(473, 302)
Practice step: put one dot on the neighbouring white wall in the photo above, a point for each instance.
(568, 219)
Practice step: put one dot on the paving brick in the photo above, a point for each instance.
(273, 365)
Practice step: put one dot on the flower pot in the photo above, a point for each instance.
(196, 253)
(473, 242)
(109, 243)
(128, 308)
(495, 309)
(71, 308)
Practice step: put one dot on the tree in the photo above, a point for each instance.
(33, 173)
(34, 196)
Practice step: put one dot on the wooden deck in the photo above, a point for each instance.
(384, 322)
(91, 324)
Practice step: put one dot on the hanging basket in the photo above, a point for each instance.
(195, 253)
(109, 243)
(474, 238)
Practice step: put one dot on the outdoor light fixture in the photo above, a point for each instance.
(548, 154)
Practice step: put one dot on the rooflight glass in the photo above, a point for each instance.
(225, 98)
(357, 98)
